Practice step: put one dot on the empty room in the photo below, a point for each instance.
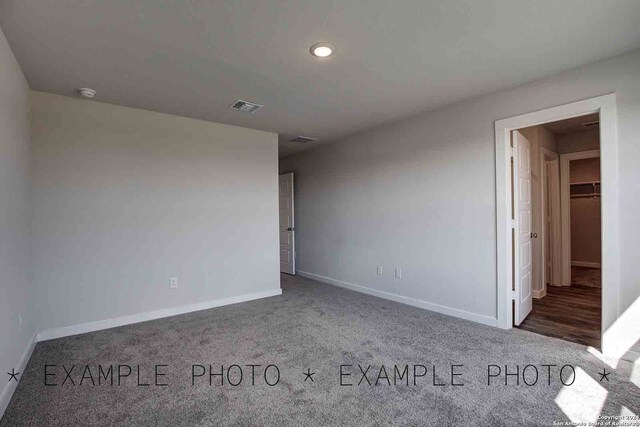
(320, 212)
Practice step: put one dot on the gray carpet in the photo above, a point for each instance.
(320, 327)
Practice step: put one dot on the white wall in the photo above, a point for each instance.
(420, 193)
(124, 199)
(15, 287)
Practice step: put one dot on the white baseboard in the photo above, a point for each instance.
(585, 264)
(150, 315)
(474, 317)
(539, 293)
(10, 387)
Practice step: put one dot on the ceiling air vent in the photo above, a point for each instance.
(591, 124)
(303, 139)
(245, 107)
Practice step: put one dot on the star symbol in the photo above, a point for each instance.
(604, 374)
(13, 375)
(309, 375)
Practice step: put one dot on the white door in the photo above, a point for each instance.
(287, 240)
(522, 211)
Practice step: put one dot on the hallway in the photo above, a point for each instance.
(570, 313)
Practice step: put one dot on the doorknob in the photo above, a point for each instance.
(290, 229)
(534, 235)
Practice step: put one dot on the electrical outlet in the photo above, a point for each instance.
(379, 270)
(173, 282)
(398, 273)
(20, 321)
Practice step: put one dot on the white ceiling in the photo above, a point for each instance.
(394, 58)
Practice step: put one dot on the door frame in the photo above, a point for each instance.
(565, 200)
(605, 105)
(552, 191)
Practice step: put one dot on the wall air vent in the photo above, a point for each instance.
(591, 124)
(303, 139)
(245, 107)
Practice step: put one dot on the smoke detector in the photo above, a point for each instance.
(85, 92)
(245, 107)
(303, 139)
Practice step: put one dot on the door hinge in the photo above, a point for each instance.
(511, 152)
(513, 294)
(513, 223)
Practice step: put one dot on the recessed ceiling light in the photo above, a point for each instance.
(322, 50)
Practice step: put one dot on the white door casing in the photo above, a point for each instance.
(523, 233)
(547, 233)
(287, 230)
(556, 224)
(614, 338)
(550, 208)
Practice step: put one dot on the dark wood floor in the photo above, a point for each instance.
(570, 313)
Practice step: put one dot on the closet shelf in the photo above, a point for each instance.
(585, 196)
(588, 189)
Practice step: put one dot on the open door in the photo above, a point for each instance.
(523, 234)
(287, 238)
